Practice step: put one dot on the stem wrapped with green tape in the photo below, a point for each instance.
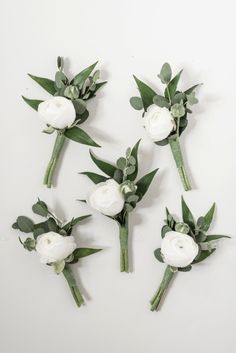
(156, 299)
(67, 272)
(124, 247)
(177, 154)
(59, 143)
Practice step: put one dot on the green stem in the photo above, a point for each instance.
(124, 250)
(156, 299)
(177, 154)
(54, 158)
(67, 272)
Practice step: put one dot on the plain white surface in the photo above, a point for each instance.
(37, 312)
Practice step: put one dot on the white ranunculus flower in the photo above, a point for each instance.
(178, 249)
(58, 112)
(107, 198)
(53, 247)
(158, 122)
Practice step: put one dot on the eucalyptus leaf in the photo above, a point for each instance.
(52, 225)
(130, 170)
(78, 135)
(121, 163)
(25, 224)
(165, 229)
(134, 154)
(191, 98)
(161, 101)
(40, 208)
(136, 103)
(29, 244)
(166, 73)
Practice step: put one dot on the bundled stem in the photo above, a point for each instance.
(60, 139)
(67, 272)
(177, 154)
(124, 249)
(156, 300)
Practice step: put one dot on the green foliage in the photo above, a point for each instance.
(203, 254)
(33, 103)
(105, 167)
(178, 110)
(161, 101)
(25, 224)
(29, 244)
(45, 83)
(144, 183)
(146, 93)
(172, 87)
(83, 75)
(136, 103)
(187, 215)
(165, 229)
(78, 135)
(40, 208)
(158, 255)
(96, 178)
(165, 74)
(191, 98)
(83, 252)
(214, 237)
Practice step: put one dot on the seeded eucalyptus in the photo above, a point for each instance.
(184, 244)
(52, 239)
(177, 103)
(64, 115)
(117, 193)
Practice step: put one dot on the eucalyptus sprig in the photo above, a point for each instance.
(52, 239)
(64, 115)
(118, 193)
(184, 244)
(167, 127)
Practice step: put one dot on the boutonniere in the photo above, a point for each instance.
(166, 115)
(117, 194)
(66, 110)
(54, 243)
(183, 245)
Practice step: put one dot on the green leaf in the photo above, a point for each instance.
(121, 163)
(166, 73)
(25, 224)
(15, 225)
(191, 98)
(146, 93)
(38, 231)
(83, 252)
(134, 153)
(170, 219)
(191, 89)
(203, 255)
(83, 75)
(165, 229)
(185, 269)
(161, 101)
(68, 226)
(118, 176)
(130, 170)
(158, 256)
(45, 83)
(96, 178)
(52, 225)
(40, 228)
(136, 103)
(29, 244)
(105, 167)
(162, 142)
(178, 110)
(209, 217)
(98, 86)
(33, 103)
(144, 183)
(172, 86)
(40, 208)
(179, 96)
(214, 237)
(187, 215)
(80, 106)
(78, 135)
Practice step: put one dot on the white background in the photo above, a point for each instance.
(37, 312)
